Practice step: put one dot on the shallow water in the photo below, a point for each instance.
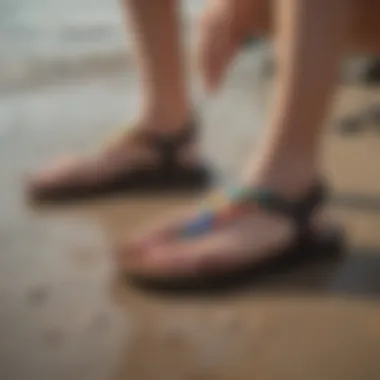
(36, 31)
(41, 40)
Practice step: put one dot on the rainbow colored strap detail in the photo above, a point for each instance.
(221, 208)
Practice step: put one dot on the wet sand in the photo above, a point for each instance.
(64, 314)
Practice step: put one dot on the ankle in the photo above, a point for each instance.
(289, 175)
(165, 121)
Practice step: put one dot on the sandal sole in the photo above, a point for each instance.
(329, 246)
(139, 182)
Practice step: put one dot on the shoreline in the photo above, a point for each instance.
(35, 71)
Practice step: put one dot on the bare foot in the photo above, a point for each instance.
(226, 232)
(125, 154)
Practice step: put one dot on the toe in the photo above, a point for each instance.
(127, 256)
(54, 176)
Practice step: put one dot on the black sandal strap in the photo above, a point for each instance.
(168, 146)
(300, 211)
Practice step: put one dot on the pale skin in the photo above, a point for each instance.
(291, 142)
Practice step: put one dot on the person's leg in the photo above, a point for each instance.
(156, 32)
(224, 27)
(310, 39)
(164, 105)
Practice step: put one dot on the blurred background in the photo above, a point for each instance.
(66, 79)
(46, 37)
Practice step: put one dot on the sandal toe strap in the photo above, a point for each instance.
(219, 210)
(300, 211)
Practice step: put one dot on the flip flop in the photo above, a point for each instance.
(167, 174)
(308, 244)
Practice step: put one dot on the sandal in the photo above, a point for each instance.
(166, 174)
(308, 243)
